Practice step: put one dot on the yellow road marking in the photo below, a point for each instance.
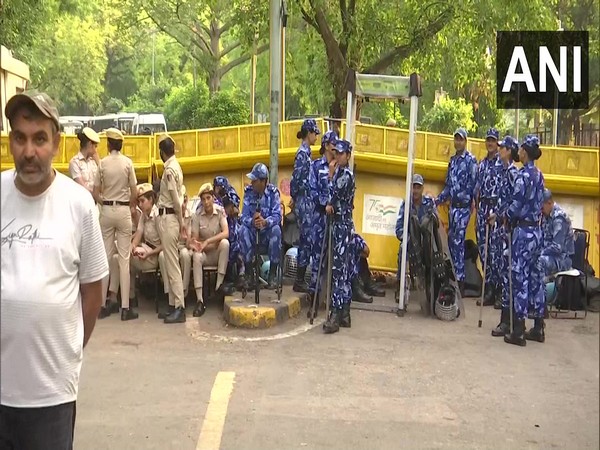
(214, 419)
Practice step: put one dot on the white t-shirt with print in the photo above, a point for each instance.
(51, 244)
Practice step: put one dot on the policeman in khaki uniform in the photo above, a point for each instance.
(185, 254)
(209, 242)
(146, 248)
(171, 225)
(115, 189)
(84, 165)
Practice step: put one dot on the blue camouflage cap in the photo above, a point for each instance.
(492, 133)
(310, 125)
(342, 145)
(461, 132)
(547, 194)
(509, 142)
(418, 179)
(531, 142)
(259, 172)
(220, 181)
(330, 137)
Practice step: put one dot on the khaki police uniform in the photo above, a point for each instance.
(151, 240)
(168, 229)
(115, 179)
(82, 167)
(206, 226)
(185, 254)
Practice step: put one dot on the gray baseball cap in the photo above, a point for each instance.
(418, 179)
(40, 100)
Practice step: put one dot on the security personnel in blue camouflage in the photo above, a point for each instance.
(321, 196)
(488, 174)
(342, 188)
(359, 251)
(508, 153)
(461, 180)
(558, 244)
(226, 196)
(524, 216)
(261, 211)
(303, 204)
(420, 205)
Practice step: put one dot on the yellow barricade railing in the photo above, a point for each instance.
(431, 148)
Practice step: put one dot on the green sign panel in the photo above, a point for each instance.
(382, 86)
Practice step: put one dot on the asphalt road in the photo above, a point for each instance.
(386, 383)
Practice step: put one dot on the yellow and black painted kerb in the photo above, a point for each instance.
(249, 315)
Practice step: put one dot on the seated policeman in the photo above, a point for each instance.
(420, 205)
(185, 255)
(146, 246)
(209, 243)
(261, 212)
(558, 244)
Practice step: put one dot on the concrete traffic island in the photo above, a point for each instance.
(245, 313)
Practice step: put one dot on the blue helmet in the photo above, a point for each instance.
(492, 133)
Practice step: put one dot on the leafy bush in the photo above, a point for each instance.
(184, 107)
(225, 109)
(449, 114)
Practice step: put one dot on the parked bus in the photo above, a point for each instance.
(101, 123)
(149, 124)
(125, 122)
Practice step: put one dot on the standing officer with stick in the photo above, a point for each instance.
(340, 207)
(508, 152)
(303, 204)
(171, 225)
(488, 174)
(524, 214)
(459, 188)
(115, 189)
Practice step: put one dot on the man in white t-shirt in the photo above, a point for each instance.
(53, 262)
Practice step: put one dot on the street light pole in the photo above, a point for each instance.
(275, 64)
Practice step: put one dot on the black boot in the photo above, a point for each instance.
(114, 306)
(371, 288)
(162, 315)
(537, 332)
(104, 313)
(488, 296)
(503, 327)
(200, 309)
(128, 314)
(272, 283)
(498, 298)
(300, 285)
(332, 324)
(358, 295)
(177, 316)
(461, 288)
(517, 337)
(346, 320)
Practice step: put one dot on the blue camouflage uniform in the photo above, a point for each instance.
(427, 205)
(558, 242)
(488, 176)
(270, 210)
(300, 193)
(524, 214)
(232, 222)
(459, 188)
(342, 199)
(356, 249)
(321, 197)
(508, 176)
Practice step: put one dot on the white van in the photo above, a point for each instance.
(125, 122)
(149, 124)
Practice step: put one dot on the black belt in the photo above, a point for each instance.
(489, 200)
(114, 203)
(162, 211)
(527, 223)
(153, 247)
(460, 205)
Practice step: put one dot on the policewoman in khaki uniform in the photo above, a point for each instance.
(115, 190)
(83, 167)
(171, 225)
(185, 254)
(209, 241)
(146, 248)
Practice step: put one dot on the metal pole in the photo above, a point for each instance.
(350, 113)
(282, 110)
(275, 57)
(253, 82)
(412, 134)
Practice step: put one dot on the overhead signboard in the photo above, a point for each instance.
(382, 86)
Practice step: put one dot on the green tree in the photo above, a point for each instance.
(447, 115)
(184, 107)
(225, 108)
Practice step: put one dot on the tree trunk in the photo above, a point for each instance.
(214, 82)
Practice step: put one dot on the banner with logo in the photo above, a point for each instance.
(380, 214)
